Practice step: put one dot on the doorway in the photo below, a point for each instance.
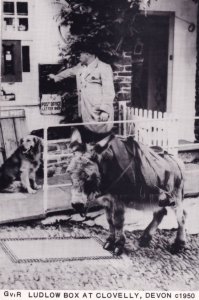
(152, 57)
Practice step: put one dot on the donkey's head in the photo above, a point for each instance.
(84, 172)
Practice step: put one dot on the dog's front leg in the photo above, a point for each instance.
(33, 183)
(24, 176)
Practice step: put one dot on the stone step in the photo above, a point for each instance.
(191, 179)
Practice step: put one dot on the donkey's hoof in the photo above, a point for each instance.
(145, 240)
(109, 246)
(177, 247)
(119, 245)
(118, 250)
(110, 243)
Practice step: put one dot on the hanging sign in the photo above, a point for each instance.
(51, 104)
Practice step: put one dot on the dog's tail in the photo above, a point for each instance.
(15, 187)
(4, 180)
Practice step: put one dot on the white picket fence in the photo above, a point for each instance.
(152, 128)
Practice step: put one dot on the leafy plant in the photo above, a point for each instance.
(107, 24)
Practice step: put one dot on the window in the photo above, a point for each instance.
(23, 24)
(22, 8)
(9, 23)
(8, 8)
(15, 16)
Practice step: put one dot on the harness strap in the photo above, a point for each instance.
(117, 179)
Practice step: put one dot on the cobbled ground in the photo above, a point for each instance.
(152, 268)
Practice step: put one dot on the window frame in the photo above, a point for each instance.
(16, 27)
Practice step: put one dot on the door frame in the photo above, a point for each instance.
(170, 62)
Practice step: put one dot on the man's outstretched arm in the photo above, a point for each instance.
(71, 72)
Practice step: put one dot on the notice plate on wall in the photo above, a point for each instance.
(51, 104)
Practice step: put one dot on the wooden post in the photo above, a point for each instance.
(45, 159)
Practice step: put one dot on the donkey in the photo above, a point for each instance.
(106, 171)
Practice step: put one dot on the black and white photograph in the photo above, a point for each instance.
(99, 149)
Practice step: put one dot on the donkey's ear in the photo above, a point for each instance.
(75, 136)
(103, 144)
(76, 143)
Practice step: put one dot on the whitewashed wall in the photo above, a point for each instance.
(43, 38)
(46, 34)
(44, 41)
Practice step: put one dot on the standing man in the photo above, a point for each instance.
(95, 92)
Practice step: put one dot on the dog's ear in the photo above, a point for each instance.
(36, 145)
(38, 142)
(21, 141)
(41, 144)
(36, 139)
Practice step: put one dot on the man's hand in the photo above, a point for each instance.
(103, 117)
(51, 76)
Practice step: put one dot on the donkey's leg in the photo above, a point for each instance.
(107, 202)
(152, 227)
(118, 215)
(180, 240)
(110, 241)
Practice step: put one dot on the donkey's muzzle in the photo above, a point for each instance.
(79, 207)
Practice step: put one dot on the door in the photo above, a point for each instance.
(152, 57)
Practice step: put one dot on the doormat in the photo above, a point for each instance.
(54, 249)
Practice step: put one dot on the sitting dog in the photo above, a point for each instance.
(18, 172)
